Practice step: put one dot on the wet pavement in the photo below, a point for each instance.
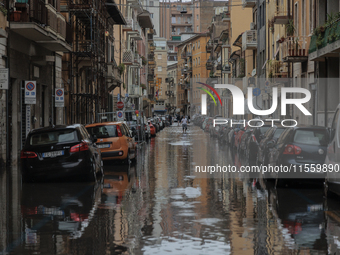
(161, 206)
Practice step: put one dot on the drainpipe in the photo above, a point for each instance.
(8, 155)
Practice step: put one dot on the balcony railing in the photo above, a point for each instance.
(150, 77)
(151, 57)
(294, 49)
(226, 68)
(128, 57)
(279, 13)
(135, 90)
(249, 40)
(248, 3)
(209, 46)
(129, 25)
(209, 65)
(188, 54)
(325, 41)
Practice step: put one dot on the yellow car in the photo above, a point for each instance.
(114, 140)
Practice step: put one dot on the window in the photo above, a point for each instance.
(296, 22)
(199, 60)
(311, 16)
(159, 69)
(303, 17)
(151, 15)
(151, 4)
(178, 7)
(197, 29)
(178, 19)
(159, 56)
(197, 16)
(199, 44)
(173, 19)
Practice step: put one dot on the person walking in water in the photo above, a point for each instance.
(184, 124)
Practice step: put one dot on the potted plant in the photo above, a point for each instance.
(290, 28)
(121, 68)
(144, 62)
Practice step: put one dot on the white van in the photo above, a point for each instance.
(332, 162)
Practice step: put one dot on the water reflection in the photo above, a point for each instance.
(159, 206)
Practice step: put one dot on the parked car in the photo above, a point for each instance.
(270, 137)
(114, 140)
(254, 139)
(152, 128)
(332, 181)
(300, 146)
(155, 124)
(58, 152)
(147, 131)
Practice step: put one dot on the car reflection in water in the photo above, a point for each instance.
(52, 209)
(301, 213)
(116, 182)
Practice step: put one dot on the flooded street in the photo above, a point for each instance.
(159, 205)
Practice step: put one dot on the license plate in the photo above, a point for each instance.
(101, 146)
(52, 154)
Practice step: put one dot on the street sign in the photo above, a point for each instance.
(256, 92)
(120, 116)
(59, 97)
(118, 97)
(126, 95)
(253, 73)
(30, 92)
(120, 105)
(133, 106)
(3, 78)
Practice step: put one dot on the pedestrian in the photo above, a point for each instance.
(170, 119)
(178, 119)
(184, 122)
(188, 118)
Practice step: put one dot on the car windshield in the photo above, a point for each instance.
(311, 137)
(53, 137)
(278, 132)
(104, 131)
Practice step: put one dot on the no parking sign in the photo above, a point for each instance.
(30, 92)
(59, 97)
(120, 116)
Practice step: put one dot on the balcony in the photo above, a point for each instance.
(188, 54)
(152, 64)
(129, 25)
(249, 40)
(151, 57)
(209, 65)
(209, 46)
(135, 90)
(183, 55)
(137, 61)
(184, 70)
(128, 57)
(226, 69)
(325, 42)
(150, 37)
(225, 17)
(280, 14)
(151, 77)
(248, 3)
(112, 76)
(294, 49)
(41, 23)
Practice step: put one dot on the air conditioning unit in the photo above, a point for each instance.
(252, 26)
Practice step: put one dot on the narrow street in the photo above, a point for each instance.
(159, 205)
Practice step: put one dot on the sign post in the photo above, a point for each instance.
(30, 92)
(120, 116)
(28, 119)
(59, 97)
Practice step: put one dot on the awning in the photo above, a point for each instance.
(183, 49)
(144, 19)
(238, 41)
(115, 13)
(264, 65)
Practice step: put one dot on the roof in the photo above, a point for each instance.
(192, 38)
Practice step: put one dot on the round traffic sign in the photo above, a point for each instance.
(30, 86)
(120, 114)
(136, 112)
(59, 92)
(120, 105)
